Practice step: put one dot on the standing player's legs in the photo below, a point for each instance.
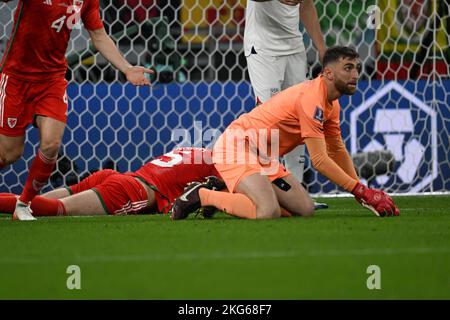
(295, 72)
(50, 103)
(13, 119)
(266, 75)
(51, 132)
(15, 116)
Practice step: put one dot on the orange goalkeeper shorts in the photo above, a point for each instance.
(235, 161)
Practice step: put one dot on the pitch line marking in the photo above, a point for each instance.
(222, 256)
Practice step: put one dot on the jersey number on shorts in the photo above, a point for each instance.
(174, 160)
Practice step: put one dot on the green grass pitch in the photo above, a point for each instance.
(151, 257)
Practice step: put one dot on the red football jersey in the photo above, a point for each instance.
(40, 36)
(172, 171)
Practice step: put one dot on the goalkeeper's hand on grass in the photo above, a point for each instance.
(375, 200)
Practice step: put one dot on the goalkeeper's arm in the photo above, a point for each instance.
(337, 151)
(375, 200)
(317, 148)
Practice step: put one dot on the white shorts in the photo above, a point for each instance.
(269, 75)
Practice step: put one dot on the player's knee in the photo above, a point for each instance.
(308, 209)
(268, 211)
(50, 148)
(9, 156)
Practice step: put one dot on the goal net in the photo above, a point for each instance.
(201, 85)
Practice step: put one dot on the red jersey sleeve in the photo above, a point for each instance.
(91, 16)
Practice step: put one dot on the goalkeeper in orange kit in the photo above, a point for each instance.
(305, 113)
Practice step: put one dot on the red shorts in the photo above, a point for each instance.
(119, 193)
(21, 101)
(164, 196)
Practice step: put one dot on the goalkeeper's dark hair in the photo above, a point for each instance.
(333, 54)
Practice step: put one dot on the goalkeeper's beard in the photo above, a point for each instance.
(345, 88)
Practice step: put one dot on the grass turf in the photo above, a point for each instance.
(151, 257)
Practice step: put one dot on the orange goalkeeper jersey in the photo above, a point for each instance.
(299, 113)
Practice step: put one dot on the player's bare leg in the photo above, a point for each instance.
(51, 132)
(57, 193)
(11, 149)
(83, 203)
(254, 199)
(293, 197)
(86, 203)
(259, 190)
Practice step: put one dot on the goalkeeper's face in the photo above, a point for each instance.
(346, 73)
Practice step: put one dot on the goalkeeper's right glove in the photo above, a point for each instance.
(375, 200)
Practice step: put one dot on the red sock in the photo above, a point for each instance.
(7, 202)
(40, 171)
(47, 207)
(2, 165)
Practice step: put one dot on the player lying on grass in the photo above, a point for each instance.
(150, 189)
(246, 154)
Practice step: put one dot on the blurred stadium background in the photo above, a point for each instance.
(201, 83)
